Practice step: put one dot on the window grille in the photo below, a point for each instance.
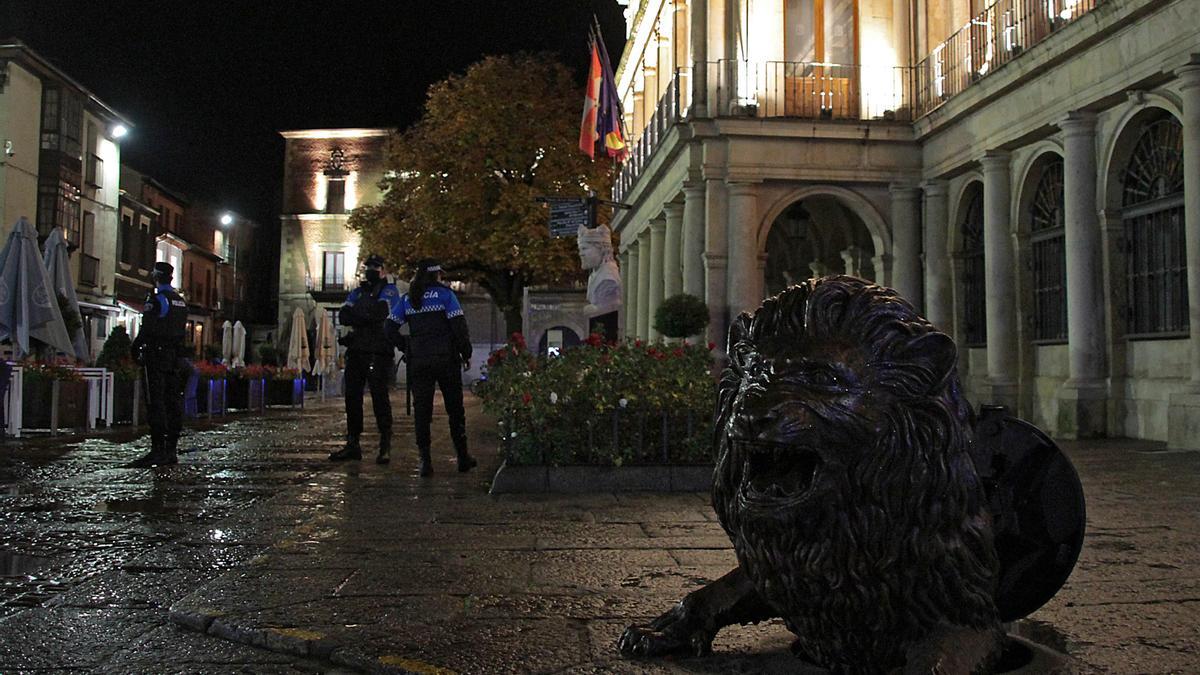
(974, 285)
(1152, 211)
(1048, 236)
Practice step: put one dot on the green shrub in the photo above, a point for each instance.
(268, 355)
(116, 355)
(567, 409)
(681, 316)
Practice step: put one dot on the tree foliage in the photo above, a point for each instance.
(464, 179)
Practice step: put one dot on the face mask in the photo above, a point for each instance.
(372, 276)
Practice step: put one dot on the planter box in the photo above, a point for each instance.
(285, 392)
(581, 479)
(245, 394)
(214, 404)
(36, 401)
(125, 396)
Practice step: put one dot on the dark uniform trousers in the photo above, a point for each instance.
(443, 372)
(165, 382)
(365, 369)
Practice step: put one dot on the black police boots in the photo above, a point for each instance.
(170, 451)
(352, 450)
(385, 448)
(425, 465)
(465, 461)
(150, 459)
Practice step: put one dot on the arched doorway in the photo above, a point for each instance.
(817, 236)
(556, 339)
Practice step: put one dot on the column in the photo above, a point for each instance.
(698, 40)
(1190, 77)
(1081, 404)
(1000, 281)
(672, 272)
(693, 239)
(939, 297)
(1183, 413)
(631, 292)
(658, 234)
(626, 281)
(716, 259)
(906, 243)
(643, 293)
(745, 286)
(679, 54)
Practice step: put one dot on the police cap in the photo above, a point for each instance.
(429, 265)
(164, 268)
(373, 260)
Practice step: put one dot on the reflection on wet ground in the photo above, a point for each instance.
(73, 513)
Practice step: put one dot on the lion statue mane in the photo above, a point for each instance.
(844, 480)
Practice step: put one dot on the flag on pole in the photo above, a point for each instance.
(591, 104)
(602, 119)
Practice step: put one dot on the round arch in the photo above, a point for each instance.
(876, 225)
(1120, 145)
(956, 209)
(1030, 172)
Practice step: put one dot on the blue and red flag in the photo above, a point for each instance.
(603, 122)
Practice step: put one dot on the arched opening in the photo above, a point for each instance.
(817, 236)
(970, 253)
(556, 339)
(1152, 217)
(1045, 213)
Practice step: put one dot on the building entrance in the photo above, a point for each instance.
(817, 236)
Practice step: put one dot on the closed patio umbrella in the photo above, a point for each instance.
(297, 355)
(28, 306)
(325, 349)
(58, 267)
(227, 343)
(239, 346)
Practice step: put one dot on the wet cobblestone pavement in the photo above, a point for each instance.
(258, 555)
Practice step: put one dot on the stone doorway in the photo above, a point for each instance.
(817, 236)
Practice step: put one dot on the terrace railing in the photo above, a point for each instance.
(995, 36)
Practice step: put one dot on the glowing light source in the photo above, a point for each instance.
(120, 131)
(226, 219)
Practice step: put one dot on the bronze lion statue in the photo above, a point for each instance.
(845, 481)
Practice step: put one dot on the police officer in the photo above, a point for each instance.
(369, 359)
(159, 348)
(438, 342)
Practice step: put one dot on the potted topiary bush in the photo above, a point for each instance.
(117, 358)
(681, 316)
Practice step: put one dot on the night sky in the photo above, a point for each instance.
(209, 84)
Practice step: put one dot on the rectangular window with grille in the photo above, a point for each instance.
(1049, 287)
(1156, 273)
(975, 309)
(334, 275)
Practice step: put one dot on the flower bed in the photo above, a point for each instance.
(607, 404)
(246, 387)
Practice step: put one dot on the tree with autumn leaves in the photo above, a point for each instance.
(465, 178)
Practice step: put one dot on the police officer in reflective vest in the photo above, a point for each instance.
(159, 348)
(370, 359)
(438, 343)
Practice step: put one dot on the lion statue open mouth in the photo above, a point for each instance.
(845, 482)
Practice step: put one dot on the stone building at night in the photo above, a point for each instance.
(1016, 170)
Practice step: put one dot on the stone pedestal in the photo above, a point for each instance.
(1082, 410)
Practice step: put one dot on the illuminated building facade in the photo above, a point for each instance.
(1016, 170)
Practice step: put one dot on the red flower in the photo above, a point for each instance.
(637, 343)
(678, 351)
(712, 346)
(526, 397)
(595, 340)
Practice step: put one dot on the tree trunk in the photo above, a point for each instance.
(508, 292)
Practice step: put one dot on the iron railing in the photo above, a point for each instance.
(809, 90)
(624, 437)
(666, 114)
(995, 36)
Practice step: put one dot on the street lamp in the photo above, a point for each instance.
(119, 131)
(226, 219)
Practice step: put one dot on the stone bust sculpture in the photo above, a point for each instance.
(604, 283)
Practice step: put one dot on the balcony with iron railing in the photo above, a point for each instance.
(824, 91)
(995, 36)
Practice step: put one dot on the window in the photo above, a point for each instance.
(95, 171)
(334, 275)
(1047, 221)
(58, 206)
(335, 196)
(974, 284)
(62, 122)
(87, 239)
(126, 237)
(821, 48)
(1152, 211)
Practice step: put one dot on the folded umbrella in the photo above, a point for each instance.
(28, 305)
(58, 267)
